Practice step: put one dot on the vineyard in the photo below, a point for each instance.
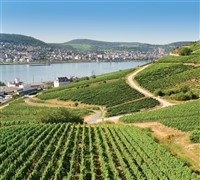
(175, 81)
(116, 95)
(20, 113)
(185, 117)
(66, 151)
(131, 107)
(92, 80)
(187, 110)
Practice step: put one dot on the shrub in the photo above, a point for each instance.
(159, 92)
(2, 84)
(185, 51)
(60, 115)
(195, 136)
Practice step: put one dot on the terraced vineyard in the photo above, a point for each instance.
(185, 110)
(175, 81)
(134, 106)
(66, 151)
(114, 94)
(84, 83)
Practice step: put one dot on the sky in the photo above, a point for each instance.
(155, 22)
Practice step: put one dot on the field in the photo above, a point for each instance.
(66, 151)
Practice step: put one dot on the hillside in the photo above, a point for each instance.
(175, 76)
(177, 81)
(176, 57)
(109, 91)
(21, 39)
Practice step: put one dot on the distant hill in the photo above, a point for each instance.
(87, 44)
(21, 39)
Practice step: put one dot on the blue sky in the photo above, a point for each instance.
(157, 22)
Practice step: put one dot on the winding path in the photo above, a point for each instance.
(95, 118)
(135, 85)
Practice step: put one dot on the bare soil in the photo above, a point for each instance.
(176, 140)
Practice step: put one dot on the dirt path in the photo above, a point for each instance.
(29, 102)
(176, 140)
(134, 84)
(92, 118)
(3, 106)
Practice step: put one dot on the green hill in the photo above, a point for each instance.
(87, 44)
(21, 39)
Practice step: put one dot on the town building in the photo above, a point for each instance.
(61, 81)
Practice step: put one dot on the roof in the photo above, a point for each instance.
(62, 79)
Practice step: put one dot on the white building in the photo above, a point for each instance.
(61, 81)
(25, 86)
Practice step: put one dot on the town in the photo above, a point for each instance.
(19, 53)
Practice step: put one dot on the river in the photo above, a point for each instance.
(31, 74)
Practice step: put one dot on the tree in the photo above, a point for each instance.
(185, 51)
(2, 84)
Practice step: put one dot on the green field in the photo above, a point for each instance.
(65, 151)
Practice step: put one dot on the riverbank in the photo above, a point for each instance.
(71, 61)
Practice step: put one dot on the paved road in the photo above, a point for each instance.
(93, 118)
(134, 85)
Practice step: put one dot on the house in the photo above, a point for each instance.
(61, 81)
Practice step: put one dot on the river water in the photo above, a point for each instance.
(31, 74)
